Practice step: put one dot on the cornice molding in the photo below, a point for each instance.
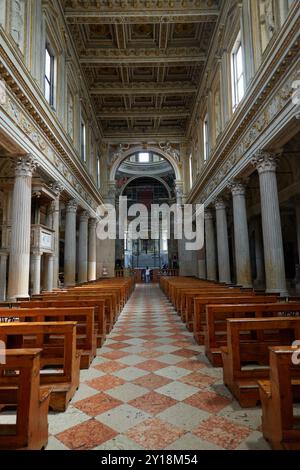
(31, 100)
(255, 114)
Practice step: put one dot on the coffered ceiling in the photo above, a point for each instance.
(143, 60)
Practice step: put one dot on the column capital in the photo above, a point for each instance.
(25, 166)
(220, 204)
(93, 223)
(237, 188)
(57, 187)
(36, 253)
(84, 216)
(208, 215)
(265, 161)
(71, 206)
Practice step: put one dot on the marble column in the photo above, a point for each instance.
(266, 164)
(70, 244)
(297, 277)
(55, 212)
(259, 255)
(241, 235)
(92, 252)
(3, 270)
(201, 264)
(222, 242)
(18, 279)
(83, 247)
(49, 272)
(36, 272)
(298, 227)
(210, 246)
(179, 192)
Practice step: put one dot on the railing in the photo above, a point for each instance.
(124, 272)
(169, 272)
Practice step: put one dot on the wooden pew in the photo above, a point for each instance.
(84, 316)
(110, 304)
(279, 425)
(186, 298)
(245, 361)
(31, 429)
(215, 307)
(216, 314)
(97, 304)
(62, 357)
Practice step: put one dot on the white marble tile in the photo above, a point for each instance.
(122, 417)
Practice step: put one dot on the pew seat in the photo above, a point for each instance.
(278, 394)
(247, 361)
(30, 432)
(59, 363)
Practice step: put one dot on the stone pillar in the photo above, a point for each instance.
(265, 164)
(259, 255)
(201, 264)
(106, 249)
(3, 269)
(55, 211)
(70, 244)
(298, 228)
(83, 248)
(210, 246)
(92, 255)
(18, 279)
(36, 272)
(241, 235)
(222, 242)
(49, 272)
(179, 192)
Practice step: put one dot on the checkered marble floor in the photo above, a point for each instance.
(151, 387)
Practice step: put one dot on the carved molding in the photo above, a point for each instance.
(265, 162)
(25, 166)
(220, 204)
(237, 188)
(71, 206)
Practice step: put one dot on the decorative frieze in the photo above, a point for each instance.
(262, 121)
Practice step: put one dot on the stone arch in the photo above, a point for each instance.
(125, 154)
(157, 178)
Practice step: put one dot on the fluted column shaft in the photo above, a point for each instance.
(55, 215)
(222, 242)
(70, 244)
(19, 262)
(241, 235)
(210, 246)
(36, 272)
(271, 224)
(3, 268)
(83, 248)
(49, 272)
(298, 228)
(92, 251)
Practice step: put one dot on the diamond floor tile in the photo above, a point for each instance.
(152, 387)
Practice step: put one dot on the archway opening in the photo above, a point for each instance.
(147, 178)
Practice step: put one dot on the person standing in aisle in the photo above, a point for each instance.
(147, 274)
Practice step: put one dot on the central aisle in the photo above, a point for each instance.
(151, 387)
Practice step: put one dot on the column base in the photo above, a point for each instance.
(282, 293)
